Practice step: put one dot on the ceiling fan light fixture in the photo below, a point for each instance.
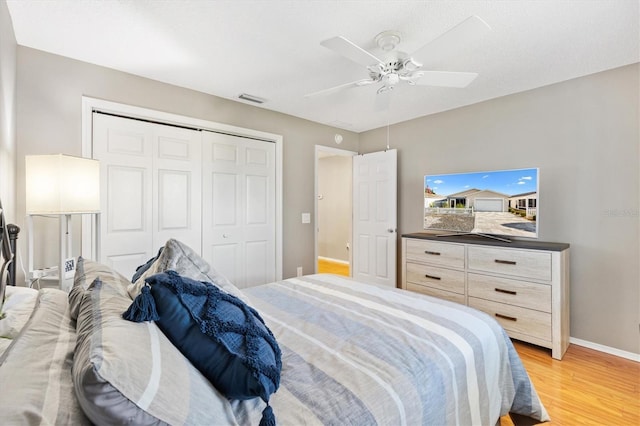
(392, 79)
(388, 40)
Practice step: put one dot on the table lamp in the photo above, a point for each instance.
(60, 185)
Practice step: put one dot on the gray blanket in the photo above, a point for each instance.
(353, 354)
(363, 355)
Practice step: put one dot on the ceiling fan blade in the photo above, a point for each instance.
(362, 82)
(351, 51)
(467, 30)
(446, 78)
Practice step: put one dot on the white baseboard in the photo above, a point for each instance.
(330, 259)
(606, 349)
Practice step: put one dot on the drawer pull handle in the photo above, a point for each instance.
(432, 277)
(435, 253)
(506, 317)
(500, 290)
(505, 262)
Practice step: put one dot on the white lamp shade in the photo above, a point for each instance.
(62, 184)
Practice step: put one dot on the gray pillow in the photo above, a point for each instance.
(179, 257)
(86, 273)
(130, 373)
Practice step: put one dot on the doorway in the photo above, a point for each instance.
(333, 210)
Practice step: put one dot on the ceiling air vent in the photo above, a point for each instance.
(251, 98)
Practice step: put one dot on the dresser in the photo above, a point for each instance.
(524, 285)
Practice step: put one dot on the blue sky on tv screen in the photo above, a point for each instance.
(509, 182)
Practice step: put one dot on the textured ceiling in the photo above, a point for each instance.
(271, 49)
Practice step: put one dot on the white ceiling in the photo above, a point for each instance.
(271, 49)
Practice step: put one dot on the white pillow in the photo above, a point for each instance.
(17, 308)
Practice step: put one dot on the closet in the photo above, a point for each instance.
(213, 191)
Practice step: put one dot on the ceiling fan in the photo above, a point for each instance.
(397, 67)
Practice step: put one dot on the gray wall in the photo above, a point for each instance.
(7, 112)
(49, 121)
(583, 135)
(334, 209)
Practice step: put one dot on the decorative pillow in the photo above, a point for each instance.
(144, 268)
(222, 336)
(17, 309)
(86, 273)
(130, 373)
(179, 257)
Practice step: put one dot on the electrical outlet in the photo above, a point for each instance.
(299, 271)
(45, 272)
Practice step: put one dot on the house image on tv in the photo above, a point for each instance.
(526, 203)
(477, 200)
(485, 200)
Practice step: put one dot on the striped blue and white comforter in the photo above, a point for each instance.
(363, 355)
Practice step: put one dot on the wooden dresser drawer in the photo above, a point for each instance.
(524, 285)
(520, 263)
(515, 319)
(432, 276)
(444, 254)
(503, 290)
(440, 294)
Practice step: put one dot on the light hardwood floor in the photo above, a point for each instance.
(587, 387)
(329, 267)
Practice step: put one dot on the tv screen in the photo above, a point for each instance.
(499, 203)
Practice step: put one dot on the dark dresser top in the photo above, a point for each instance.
(486, 241)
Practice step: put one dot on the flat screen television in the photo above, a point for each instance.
(499, 203)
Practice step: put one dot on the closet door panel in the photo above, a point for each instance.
(151, 175)
(177, 186)
(239, 208)
(226, 258)
(259, 212)
(125, 208)
(214, 192)
(124, 148)
(174, 198)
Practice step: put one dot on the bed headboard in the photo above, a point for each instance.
(8, 237)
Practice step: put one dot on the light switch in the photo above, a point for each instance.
(306, 217)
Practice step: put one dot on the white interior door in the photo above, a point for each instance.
(151, 185)
(239, 210)
(375, 217)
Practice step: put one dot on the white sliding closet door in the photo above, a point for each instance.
(239, 208)
(151, 188)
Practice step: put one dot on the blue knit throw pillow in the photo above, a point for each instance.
(223, 337)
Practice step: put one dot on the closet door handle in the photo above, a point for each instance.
(505, 262)
(226, 235)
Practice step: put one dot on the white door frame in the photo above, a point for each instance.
(89, 105)
(335, 151)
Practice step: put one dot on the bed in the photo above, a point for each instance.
(351, 354)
